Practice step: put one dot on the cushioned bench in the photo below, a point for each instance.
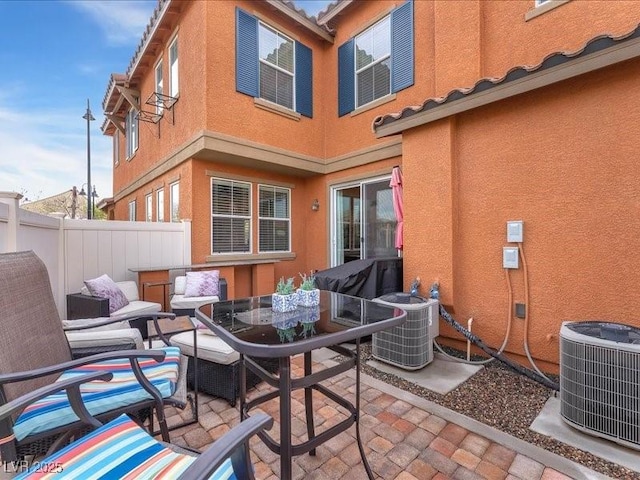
(85, 305)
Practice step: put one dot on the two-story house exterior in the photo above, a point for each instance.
(276, 133)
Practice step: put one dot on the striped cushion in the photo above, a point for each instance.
(99, 397)
(120, 450)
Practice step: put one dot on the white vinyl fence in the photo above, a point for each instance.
(77, 250)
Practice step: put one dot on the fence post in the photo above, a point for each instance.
(12, 199)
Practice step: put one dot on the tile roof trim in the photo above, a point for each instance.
(332, 10)
(301, 17)
(599, 52)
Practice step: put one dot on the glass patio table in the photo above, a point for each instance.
(253, 329)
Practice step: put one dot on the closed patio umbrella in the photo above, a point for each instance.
(396, 188)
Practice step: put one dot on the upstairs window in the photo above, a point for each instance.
(131, 129)
(377, 62)
(159, 86)
(373, 63)
(272, 66)
(230, 216)
(274, 219)
(276, 67)
(173, 69)
(116, 147)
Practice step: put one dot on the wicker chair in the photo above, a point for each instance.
(34, 353)
(122, 449)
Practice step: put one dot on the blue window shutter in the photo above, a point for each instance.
(304, 80)
(402, 47)
(346, 74)
(247, 67)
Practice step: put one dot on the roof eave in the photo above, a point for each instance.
(334, 12)
(301, 19)
(570, 69)
(143, 49)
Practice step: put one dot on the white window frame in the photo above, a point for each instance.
(372, 64)
(275, 188)
(132, 211)
(116, 148)
(131, 128)
(280, 69)
(160, 205)
(539, 3)
(174, 191)
(159, 81)
(148, 207)
(243, 217)
(174, 68)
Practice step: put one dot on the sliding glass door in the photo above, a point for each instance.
(363, 222)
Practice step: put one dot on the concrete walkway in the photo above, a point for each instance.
(405, 438)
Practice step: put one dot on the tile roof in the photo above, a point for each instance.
(596, 44)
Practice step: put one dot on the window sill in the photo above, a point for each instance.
(275, 108)
(544, 8)
(248, 258)
(376, 103)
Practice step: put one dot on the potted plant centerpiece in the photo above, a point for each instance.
(308, 294)
(285, 298)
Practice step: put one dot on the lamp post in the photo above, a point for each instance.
(88, 117)
(91, 196)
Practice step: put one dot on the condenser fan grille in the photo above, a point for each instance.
(600, 385)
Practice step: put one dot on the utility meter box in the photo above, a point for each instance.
(408, 346)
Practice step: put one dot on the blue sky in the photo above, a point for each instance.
(55, 55)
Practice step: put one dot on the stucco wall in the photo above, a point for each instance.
(563, 160)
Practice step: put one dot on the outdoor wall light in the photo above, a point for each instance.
(315, 206)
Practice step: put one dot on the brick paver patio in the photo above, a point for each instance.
(405, 438)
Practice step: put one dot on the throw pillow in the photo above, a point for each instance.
(104, 287)
(202, 284)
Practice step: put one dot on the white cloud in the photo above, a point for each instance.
(43, 153)
(123, 22)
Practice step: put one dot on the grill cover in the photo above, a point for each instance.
(367, 278)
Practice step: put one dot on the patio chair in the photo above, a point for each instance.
(121, 448)
(184, 301)
(34, 352)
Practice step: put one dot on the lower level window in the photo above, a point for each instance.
(132, 211)
(230, 216)
(274, 223)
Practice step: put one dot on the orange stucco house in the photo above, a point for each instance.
(275, 134)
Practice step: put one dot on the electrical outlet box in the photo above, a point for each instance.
(509, 257)
(515, 231)
(521, 310)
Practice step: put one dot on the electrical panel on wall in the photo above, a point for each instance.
(509, 257)
(515, 231)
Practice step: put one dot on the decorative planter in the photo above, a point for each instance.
(308, 298)
(284, 303)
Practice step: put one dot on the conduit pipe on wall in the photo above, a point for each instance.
(506, 334)
(525, 272)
